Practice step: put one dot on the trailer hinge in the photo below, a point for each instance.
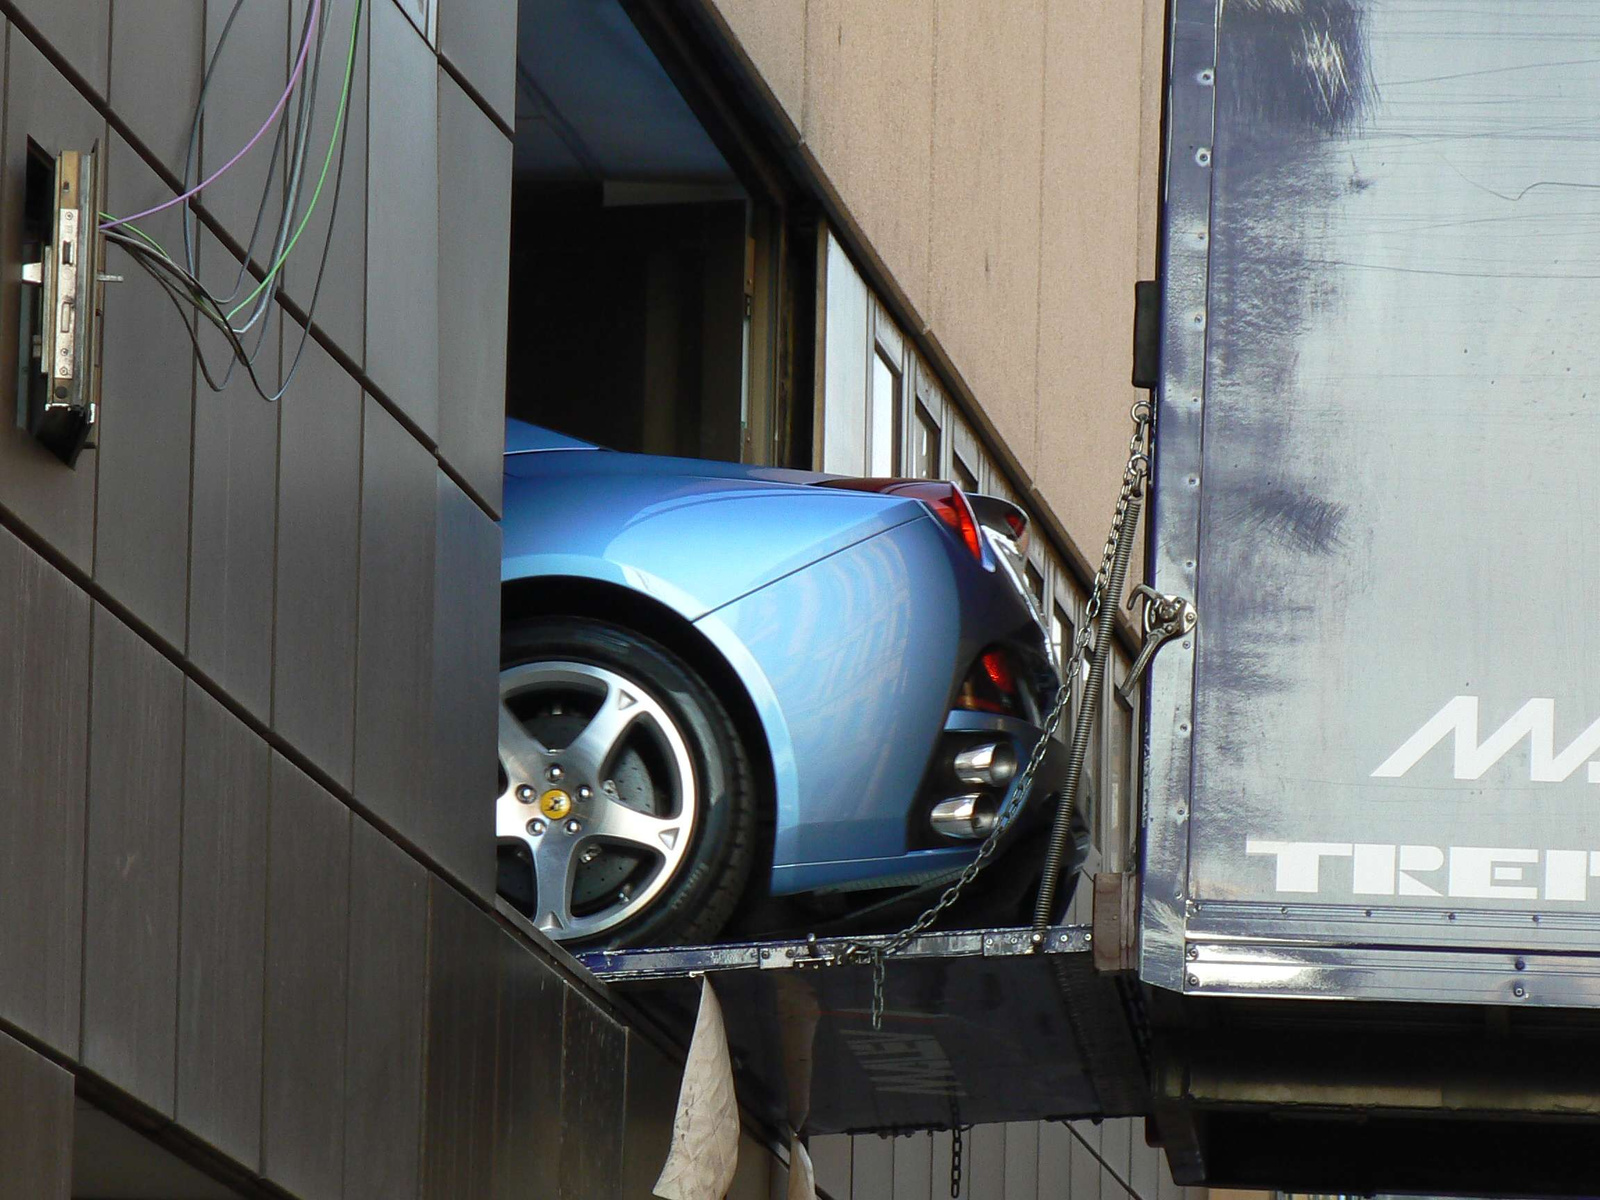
(1116, 921)
(1165, 617)
(1147, 333)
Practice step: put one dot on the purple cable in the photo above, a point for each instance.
(299, 66)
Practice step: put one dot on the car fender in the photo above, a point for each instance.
(694, 543)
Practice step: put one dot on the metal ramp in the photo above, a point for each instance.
(975, 1028)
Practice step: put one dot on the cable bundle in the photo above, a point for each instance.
(180, 281)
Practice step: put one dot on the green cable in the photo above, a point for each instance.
(141, 233)
(344, 98)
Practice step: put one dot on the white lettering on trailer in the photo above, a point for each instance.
(1457, 872)
(1535, 720)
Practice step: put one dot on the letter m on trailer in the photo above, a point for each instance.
(1535, 721)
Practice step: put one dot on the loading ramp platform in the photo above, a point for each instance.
(976, 1028)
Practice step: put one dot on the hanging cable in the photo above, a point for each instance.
(299, 66)
(181, 283)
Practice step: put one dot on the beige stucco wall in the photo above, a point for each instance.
(996, 159)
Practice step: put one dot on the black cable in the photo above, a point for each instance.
(183, 287)
(322, 262)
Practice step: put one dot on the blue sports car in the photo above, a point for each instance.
(722, 684)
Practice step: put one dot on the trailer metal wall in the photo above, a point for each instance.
(1375, 410)
(248, 657)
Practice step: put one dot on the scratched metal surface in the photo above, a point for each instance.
(1398, 494)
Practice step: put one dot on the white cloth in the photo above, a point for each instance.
(802, 1181)
(705, 1132)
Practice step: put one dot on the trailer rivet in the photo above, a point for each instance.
(1193, 981)
(1186, 645)
(766, 954)
(1194, 952)
(1520, 965)
(573, 827)
(536, 827)
(1206, 77)
(1203, 156)
(1184, 728)
(1452, 916)
(1087, 938)
(554, 774)
(524, 793)
(1519, 991)
(988, 942)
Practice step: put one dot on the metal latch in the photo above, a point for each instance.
(1165, 617)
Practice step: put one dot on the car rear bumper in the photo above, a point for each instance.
(929, 861)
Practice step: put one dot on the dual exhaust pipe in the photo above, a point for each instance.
(971, 816)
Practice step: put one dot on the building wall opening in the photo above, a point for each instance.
(644, 299)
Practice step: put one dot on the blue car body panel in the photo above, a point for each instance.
(849, 617)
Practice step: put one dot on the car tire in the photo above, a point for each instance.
(675, 784)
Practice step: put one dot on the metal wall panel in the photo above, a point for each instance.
(474, 250)
(146, 406)
(914, 1168)
(394, 661)
(233, 528)
(57, 504)
(222, 929)
(939, 1148)
(477, 38)
(1022, 1160)
(308, 907)
(157, 105)
(830, 1163)
(44, 724)
(131, 869)
(388, 1010)
(36, 1118)
(251, 73)
(403, 220)
(466, 697)
(984, 1174)
(594, 1052)
(342, 298)
(1086, 1172)
(1145, 1169)
(464, 961)
(80, 33)
(872, 1168)
(527, 1091)
(652, 1103)
(1055, 1161)
(319, 536)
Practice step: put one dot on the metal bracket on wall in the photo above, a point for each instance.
(58, 385)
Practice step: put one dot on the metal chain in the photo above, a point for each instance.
(1134, 475)
(955, 1162)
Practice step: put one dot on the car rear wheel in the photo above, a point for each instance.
(627, 810)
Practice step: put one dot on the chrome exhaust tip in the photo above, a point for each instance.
(989, 764)
(965, 818)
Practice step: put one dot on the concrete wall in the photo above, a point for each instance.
(998, 163)
(249, 652)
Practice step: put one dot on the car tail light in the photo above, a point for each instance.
(944, 500)
(990, 686)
